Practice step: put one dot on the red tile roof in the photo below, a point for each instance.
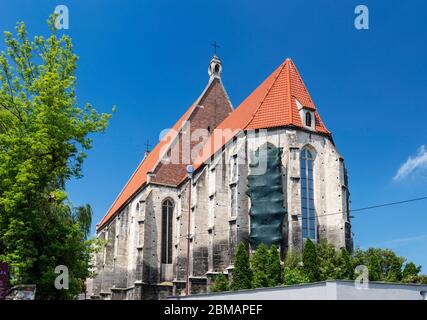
(270, 105)
(139, 177)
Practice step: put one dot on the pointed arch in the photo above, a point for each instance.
(308, 211)
(167, 231)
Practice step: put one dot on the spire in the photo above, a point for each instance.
(215, 67)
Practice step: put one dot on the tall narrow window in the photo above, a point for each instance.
(167, 215)
(308, 119)
(307, 196)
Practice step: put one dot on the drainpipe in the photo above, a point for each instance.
(190, 171)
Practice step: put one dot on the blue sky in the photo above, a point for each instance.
(150, 59)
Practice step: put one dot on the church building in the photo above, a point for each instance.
(267, 172)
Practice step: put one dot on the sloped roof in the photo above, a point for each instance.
(149, 163)
(271, 104)
(139, 177)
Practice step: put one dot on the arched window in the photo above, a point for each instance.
(308, 119)
(307, 196)
(167, 215)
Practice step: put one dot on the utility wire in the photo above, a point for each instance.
(375, 206)
(389, 204)
(214, 230)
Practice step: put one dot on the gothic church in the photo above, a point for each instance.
(267, 171)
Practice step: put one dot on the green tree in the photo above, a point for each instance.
(293, 272)
(83, 216)
(293, 259)
(392, 266)
(242, 275)
(311, 261)
(43, 138)
(327, 256)
(383, 264)
(411, 270)
(274, 269)
(419, 279)
(259, 263)
(220, 283)
(344, 267)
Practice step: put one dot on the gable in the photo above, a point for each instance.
(211, 108)
(272, 104)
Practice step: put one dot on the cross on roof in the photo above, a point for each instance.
(147, 146)
(215, 45)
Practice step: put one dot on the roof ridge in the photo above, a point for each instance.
(299, 78)
(266, 94)
(182, 122)
(288, 76)
(159, 151)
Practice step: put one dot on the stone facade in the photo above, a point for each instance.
(130, 265)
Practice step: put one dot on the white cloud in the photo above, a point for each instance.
(412, 164)
(400, 242)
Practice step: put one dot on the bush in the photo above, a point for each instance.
(293, 276)
(220, 283)
(293, 272)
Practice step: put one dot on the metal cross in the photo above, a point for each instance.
(215, 45)
(147, 146)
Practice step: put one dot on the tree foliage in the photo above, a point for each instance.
(293, 272)
(83, 216)
(43, 137)
(259, 264)
(320, 262)
(220, 283)
(274, 269)
(411, 270)
(383, 264)
(327, 260)
(344, 268)
(311, 261)
(242, 274)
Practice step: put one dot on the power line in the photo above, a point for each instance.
(214, 230)
(375, 206)
(389, 204)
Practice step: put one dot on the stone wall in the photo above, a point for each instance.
(129, 267)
